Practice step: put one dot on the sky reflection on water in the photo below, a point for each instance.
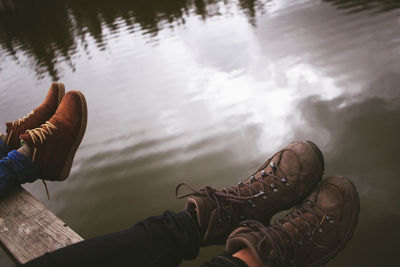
(205, 91)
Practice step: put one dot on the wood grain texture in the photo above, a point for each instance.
(28, 229)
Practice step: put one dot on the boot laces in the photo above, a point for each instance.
(283, 252)
(23, 119)
(234, 195)
(40, 134)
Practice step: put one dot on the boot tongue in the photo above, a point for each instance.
(26, 138)
(203, 209)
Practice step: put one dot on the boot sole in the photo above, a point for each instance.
(68, 162)
(318, 153)
(350, 230)
(61, 92)
(320, 157)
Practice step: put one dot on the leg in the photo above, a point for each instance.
(16, 169)
(156, 241)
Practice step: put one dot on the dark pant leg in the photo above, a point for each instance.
(156, 241)
(224, 260)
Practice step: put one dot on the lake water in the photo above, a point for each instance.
(206, 91)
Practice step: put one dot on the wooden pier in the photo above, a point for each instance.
(28, 229)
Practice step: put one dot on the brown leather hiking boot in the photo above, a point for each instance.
(284, 180)
(37, 117)
(310, 235)
(54, 144)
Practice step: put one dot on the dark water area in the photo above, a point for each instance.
(206, 91)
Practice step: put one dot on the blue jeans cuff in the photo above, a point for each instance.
(24, 169)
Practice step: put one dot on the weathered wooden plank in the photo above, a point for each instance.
(28, 229)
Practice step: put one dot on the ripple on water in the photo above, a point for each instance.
(205, 92)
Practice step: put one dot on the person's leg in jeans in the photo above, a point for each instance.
(166, 240)
(158, 241)
(163, 240)
(16, 169)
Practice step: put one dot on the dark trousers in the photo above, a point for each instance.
(163, 240)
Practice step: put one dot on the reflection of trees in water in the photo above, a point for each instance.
(47, 31)
(362, 5)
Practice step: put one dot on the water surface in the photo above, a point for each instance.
(206, 91)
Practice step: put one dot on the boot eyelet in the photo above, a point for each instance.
(240, 183)
(273, 187)
(308, 202)
(284, 180)
(263, 173)
(252, 178)
(219, 221)
(229, 219)
(272, 164)
(263, 195)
